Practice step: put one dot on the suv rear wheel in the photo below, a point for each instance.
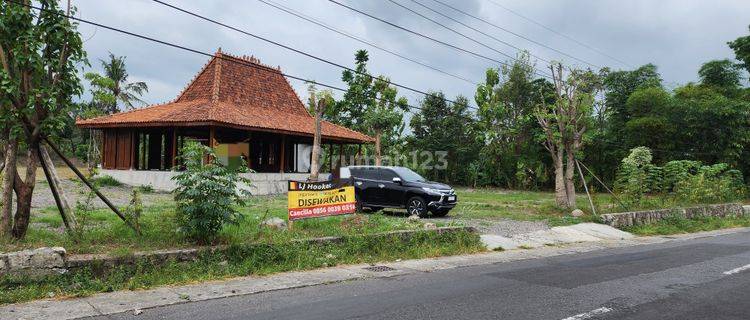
(416, 206)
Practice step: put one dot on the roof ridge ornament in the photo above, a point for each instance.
(217, 77)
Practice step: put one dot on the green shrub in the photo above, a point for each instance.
(134, 210)
(711, 184)
(676, 171)
(107, 181)
(145, 188)
(207, 194)
(633, 178)
(685, 181)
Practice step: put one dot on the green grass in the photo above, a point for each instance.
(677, 225)
(241, 260)
(105, 233)
(523, 205)
(106, 181)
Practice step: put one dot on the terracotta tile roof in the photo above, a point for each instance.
(233, 91)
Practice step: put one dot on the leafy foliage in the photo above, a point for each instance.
(448, 127)
(207, 194)
(371, 105)
(689, 181)
(113, 87)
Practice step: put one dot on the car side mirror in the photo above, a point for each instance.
(397, 180)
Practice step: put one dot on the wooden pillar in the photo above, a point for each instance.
(103, 150)
(359, 153)
(174, 148)
(211, 140)
(282, 158)
(330, 157)
(133, 150)
(211, 137)
(341, 155)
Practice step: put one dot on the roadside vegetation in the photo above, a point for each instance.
(241, 260)
(677, 225)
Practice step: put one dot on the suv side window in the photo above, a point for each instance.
(386, 175)
(365, 173)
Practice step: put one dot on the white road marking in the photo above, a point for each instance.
(737, 270)
(589, 314)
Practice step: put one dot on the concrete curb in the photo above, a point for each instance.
(582, 232)
(129, 301)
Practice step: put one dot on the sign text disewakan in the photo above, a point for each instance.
(319, 199)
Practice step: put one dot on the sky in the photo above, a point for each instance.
(676, 35)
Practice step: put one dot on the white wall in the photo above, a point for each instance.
(263, 183)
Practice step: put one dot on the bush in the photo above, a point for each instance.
(207, 194)
(633, 178)
(134, 210)
(711, 184)
(688, 181)
(107, 181)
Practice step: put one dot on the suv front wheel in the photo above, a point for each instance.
(416, 206)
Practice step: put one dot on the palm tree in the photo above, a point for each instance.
(113, 86)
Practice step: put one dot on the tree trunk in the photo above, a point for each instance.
(378, 155)
(570, 188)
(24, 193)
(6, 215)
(56, 185)
(315, 162)
(561, 196)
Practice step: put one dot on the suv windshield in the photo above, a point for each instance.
(408, 175)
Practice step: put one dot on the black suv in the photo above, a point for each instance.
(379, 187)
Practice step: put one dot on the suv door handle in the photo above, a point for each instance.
(381, 185)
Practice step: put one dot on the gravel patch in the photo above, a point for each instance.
(120, 196)
(502, 227)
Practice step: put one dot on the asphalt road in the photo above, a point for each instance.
(693, 279)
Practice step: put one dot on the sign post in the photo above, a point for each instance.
(319, 199)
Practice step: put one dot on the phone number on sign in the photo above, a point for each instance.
(321, 211)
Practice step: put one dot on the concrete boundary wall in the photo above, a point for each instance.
(626, 219)
(263, 183)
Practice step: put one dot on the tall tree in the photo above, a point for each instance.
(39, 52)
(318, 102)
(370, 105)
(385, 118)
(506, 102)
(741, 47)
(564, 124)
(609, 143)
(113, 86)
(440, 126)
(722, 75)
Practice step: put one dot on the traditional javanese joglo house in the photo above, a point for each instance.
(237, 106)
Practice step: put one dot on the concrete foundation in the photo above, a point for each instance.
(263, 183)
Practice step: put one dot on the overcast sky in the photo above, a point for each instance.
(676, 35)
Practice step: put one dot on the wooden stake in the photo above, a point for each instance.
(585, 187)
(56, 187)
(92, 187)
(53, 187)
(603, 184)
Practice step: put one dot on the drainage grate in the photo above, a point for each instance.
(379, 268)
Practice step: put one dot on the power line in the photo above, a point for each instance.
(459, 33)
(288, 47)
(558, 33)
(472, 28)
(479, 55)
(353, 37)
(203, 53)
(514, 33)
